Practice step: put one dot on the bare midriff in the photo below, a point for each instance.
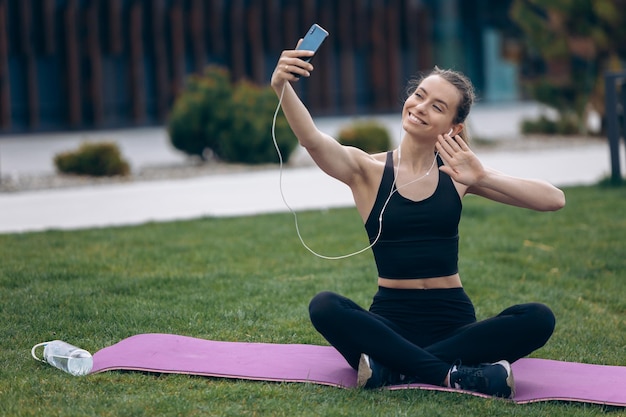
(450, 281)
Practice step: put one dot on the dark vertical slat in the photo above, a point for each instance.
(379, 36)
(177, 34)
(94, 53)
(196, 29)
(623, 94)
(115, 26)
(237, 39)
(393, 53)
(325, 60)
(49, 38)
(216, 27)
(377, 54)
(346, 56)
(28, 53)
(5, 85)
(72, 65)
(255, 39)
(160, 59)
(411, 42)
(24, 26)
(137, 90)
(274, 22)
(361, 36)
(425, 51)
(308, 14)
(290, 26)
(361, 23)
(612, 126)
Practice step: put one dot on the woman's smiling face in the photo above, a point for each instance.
(432, 107)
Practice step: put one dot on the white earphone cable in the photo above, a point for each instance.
(295, 216)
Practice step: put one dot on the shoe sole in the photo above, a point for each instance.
(510, 381)
(364, 372)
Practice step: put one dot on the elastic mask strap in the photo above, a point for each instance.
(32, 351)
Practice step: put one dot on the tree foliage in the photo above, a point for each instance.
(575, 43)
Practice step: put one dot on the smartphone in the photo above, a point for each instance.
(312, 41)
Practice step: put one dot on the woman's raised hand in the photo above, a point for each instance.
(291, 65)
(461, 164)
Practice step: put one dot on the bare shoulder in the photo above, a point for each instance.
(365, 188)
(370, 165)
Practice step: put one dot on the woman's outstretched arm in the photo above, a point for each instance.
(465, 168)
(336, 160)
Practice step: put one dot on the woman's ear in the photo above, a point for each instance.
(456, 129)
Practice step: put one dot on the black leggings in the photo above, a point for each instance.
(421, 333)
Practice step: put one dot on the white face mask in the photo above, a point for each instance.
(68, 358)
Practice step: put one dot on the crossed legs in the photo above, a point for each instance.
(352, 330)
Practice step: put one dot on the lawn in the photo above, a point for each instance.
(250, 279)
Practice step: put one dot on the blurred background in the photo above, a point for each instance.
(114, 91)
(94, 64)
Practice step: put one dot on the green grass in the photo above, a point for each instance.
(249, 279)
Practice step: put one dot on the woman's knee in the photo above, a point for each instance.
(322, 306)
(535, 320)
(542, 319)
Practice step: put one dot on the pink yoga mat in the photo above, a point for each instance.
(536, 379)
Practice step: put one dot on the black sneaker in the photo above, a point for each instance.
(492, 379)
(371, 375)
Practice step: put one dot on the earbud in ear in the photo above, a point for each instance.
(450, 132)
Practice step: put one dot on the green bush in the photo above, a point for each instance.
(540, 125)
(233, 122)
(94, 159)
(202, 113)
(369, 136)
(543, 125)
(249, 140)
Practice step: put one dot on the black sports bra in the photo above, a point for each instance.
(419, 239)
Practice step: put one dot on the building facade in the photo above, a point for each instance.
(93, 64)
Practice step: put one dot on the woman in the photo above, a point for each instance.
(421, 326)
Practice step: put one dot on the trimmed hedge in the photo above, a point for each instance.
(94, 159)
(543, 125)
(370, 136)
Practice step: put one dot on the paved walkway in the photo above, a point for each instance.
(249, 193)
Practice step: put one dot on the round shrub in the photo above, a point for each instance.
(94, 159)
(249, 139)
(370, 136)
(543, 125)
(540, 125)
(202, 113)
(233, 122)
